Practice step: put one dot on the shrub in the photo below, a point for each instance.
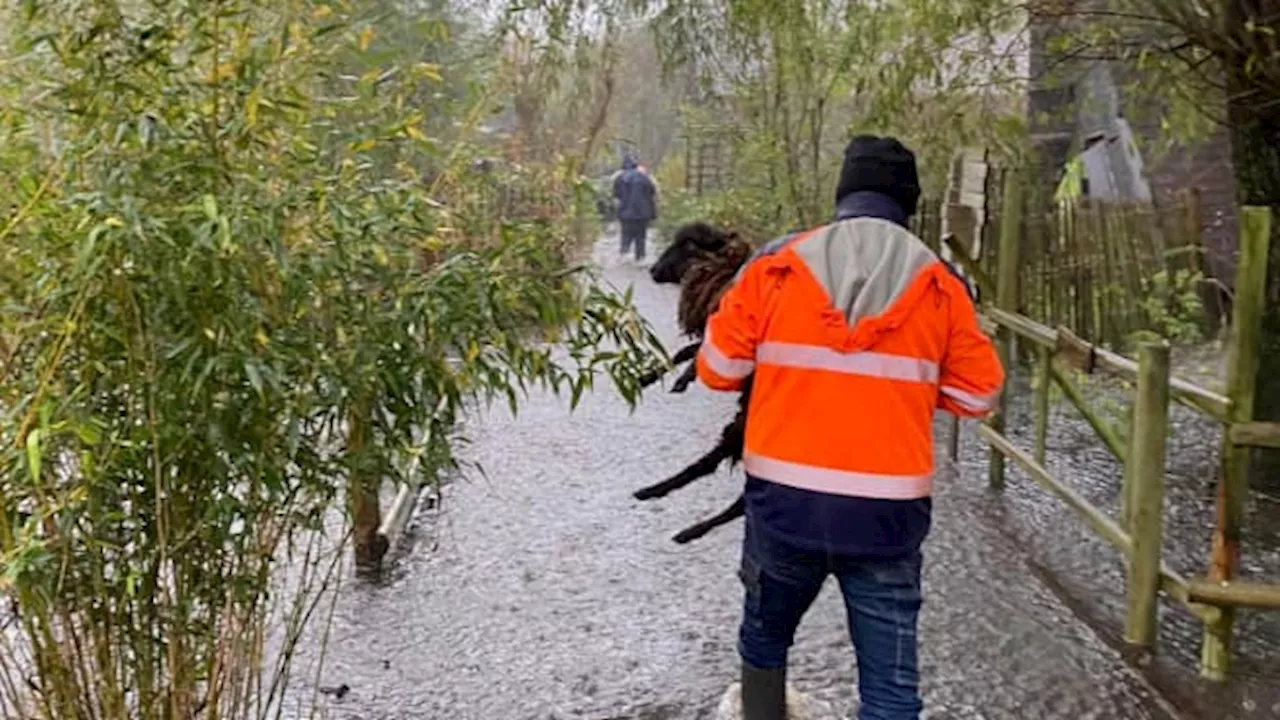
(225, 292)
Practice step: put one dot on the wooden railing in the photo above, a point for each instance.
(1137, 535)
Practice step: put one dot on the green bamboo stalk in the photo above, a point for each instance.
(1006, 299)
(1150, 430)
(1090, 328)
(1233, 484)
(1044, 379)
(1193, 242)
(1149, 253)
(1106, 239)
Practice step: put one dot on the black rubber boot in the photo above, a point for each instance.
(764, 693)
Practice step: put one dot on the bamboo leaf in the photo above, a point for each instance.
(34, 455)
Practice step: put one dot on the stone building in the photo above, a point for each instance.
(1093, 112)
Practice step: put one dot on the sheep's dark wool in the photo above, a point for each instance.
(705, 282)
(704, 260)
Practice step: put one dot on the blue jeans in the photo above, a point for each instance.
(882, 597)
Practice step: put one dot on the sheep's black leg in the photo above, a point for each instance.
(728, 515)
(686, 353)
(702, 467)
(686, 379)
(652, 376)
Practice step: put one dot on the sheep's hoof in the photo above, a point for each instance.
(684, 537)
(647, 494)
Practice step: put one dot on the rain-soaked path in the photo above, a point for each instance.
(544, 592)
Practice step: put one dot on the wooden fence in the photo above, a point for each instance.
(1137, 534)
(1110, 271)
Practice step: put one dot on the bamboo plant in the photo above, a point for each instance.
(226, 293)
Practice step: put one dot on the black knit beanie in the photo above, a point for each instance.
(883, 165)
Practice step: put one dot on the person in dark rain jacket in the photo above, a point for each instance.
(637, 206)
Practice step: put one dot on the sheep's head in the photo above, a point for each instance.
(692, 240)
(706, 278)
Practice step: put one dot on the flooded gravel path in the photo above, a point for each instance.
(544, 592)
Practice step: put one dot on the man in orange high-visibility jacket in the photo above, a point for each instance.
(855, 332)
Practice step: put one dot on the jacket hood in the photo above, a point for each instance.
(629, 163)
(873, 272)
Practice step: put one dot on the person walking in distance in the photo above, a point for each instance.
(855, 332)
(637, 206)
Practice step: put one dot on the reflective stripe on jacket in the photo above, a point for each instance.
(856, 332)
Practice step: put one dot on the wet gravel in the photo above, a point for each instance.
(1089, 575)
(542, 591)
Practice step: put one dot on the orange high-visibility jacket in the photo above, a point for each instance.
(856, 332)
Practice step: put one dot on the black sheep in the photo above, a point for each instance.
(704, 260)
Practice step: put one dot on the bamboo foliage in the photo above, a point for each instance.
(226, 292)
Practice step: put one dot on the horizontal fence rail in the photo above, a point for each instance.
(1137, 534)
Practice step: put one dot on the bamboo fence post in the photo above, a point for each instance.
(1071, 269)
(1150, 430)
(1044, 380)
(1193, 229)
(1144, 259)
(1233, 482)
(1106, 277)
(1006, 299)
(1062, 314)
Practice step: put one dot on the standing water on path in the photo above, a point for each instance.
(547, 592)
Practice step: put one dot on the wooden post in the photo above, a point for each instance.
(1006, 299)
(1233, 480)
(1044, 381)
(1150, 430)
(1126, 482)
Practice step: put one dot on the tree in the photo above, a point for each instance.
(803, 77)
(216, 314)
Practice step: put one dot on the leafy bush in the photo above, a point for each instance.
(225, 292)
(1172, 306)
